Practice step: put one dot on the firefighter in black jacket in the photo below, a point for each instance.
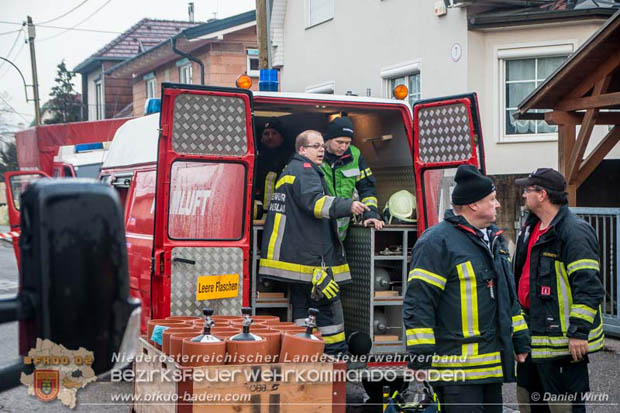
(300, 240)
(463, 322)
(559, 287)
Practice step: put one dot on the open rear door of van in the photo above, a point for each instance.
(447, 133)
(202, 201)
(16, 183)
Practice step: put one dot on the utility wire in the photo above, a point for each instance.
(81, 21)
(64, 14)
(12, 31)
(21, 49)
(58, 27)
(13, 109)
(8, 55)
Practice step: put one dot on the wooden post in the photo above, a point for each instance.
(261, 33)
(566, 142)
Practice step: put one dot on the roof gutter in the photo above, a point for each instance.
(173, 44)
(482, 22)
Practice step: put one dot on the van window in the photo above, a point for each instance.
(140, 208)
(206, 200)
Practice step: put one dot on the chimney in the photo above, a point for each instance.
(190, 11)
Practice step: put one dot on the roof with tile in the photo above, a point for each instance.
(138, 38)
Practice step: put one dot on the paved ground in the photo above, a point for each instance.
(604, 370)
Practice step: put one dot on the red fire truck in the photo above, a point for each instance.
(186, 180)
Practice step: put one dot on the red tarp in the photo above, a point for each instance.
(36, 147)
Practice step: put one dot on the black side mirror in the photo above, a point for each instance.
(74, 286)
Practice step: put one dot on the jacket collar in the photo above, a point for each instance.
(461, 223)
(305, 160)
(344, 159)
(532, 219)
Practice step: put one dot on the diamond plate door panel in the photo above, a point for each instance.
(209, 125)
(356, 298)
(444, 133)
(208, 261)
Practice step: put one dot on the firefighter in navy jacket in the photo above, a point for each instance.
(461, 314)
(559, 287)
(300, 240)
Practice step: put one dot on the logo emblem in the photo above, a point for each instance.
(46, 384)
(545, 290)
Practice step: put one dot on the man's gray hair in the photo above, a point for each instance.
(302, 138)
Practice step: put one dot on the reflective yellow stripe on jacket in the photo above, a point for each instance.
(420, 336)
(322, 206)
(469, 299)
(286, 179)
(518, 323)
(428, 277)
(585, 264)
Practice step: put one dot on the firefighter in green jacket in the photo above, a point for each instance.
(346, 171)
(464, 325)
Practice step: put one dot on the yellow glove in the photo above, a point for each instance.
(323, 285)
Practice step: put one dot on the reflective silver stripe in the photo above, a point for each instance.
(278, 243)
(595, 331)
(471, 360)
(470, 349)
(343, 276)
(469, 300)
(333, 329)
(565, 297)
(299, 272)
(419, 336)
(583, 264)
(343, 225)
(470, 374)
(300, 322)
(582, 313)
(329, 200)
(427, 276)
(518, 323)
(549, 341)
(270, 181)
(546, 352)
(289, 275)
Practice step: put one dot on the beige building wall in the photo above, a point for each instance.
(367, 39)
(524, 154)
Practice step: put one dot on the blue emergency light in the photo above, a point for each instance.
(268, 80)
(152, 105)
(85, 147)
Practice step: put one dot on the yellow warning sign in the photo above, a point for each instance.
(210, 287)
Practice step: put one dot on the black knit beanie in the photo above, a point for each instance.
(471, 185)
(338, 127)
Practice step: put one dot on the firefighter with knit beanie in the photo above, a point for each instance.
(346, 171)
(463, 321)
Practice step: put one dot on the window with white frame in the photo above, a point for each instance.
(99, 100)
(521, 69)
(252, 63)
(151, 85)
(403, 73)
(319, 11)
(412, 82)
(185, 73)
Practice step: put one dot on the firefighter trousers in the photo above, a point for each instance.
(330, 320)
(470, 398)
(560, 385)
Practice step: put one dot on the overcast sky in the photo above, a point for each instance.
(108, 18)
